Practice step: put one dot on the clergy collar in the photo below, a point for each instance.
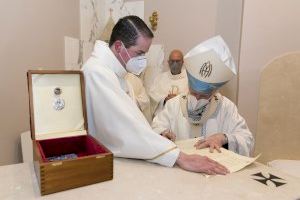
(177, 76)
(108, 58)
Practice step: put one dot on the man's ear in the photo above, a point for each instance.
(118, 46)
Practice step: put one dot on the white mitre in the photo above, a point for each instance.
(209, 65)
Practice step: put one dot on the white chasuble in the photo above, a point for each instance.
(225, 119)
(165, 84)
(114, 118)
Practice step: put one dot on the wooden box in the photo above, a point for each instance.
(65, 155)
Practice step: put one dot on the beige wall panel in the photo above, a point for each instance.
(32, 35)
(182, 24)
(278, 123)
(270, 28)
(229, 24)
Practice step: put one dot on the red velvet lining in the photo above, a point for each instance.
(80, 145)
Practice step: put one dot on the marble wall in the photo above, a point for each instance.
(94, 15)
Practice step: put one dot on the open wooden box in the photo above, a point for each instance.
(65, 156)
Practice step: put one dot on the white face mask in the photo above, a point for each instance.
(136, 64)
(194, 104)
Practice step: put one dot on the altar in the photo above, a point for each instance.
(136, 179)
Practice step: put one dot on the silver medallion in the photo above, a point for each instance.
(59, 102)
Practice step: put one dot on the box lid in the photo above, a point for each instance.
(57, 104)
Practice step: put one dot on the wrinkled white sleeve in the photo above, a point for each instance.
(155, 93)
(139, 91)
(163, 120)
(117, 122)
(143, 99)
(231, 123)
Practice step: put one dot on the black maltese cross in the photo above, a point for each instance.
(269, 180)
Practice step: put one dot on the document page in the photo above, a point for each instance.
(233, 161)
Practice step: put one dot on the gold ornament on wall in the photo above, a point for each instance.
(153, 19)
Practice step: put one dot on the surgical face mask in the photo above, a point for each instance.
(175, 67)
(136, 64)
(194, 104)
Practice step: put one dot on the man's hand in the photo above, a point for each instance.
(202, 164)
(169, 135)
(213, 142)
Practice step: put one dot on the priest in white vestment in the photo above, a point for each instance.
(113, 117)
(203, 112)
(170, 83)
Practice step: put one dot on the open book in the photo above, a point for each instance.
(233, 161)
